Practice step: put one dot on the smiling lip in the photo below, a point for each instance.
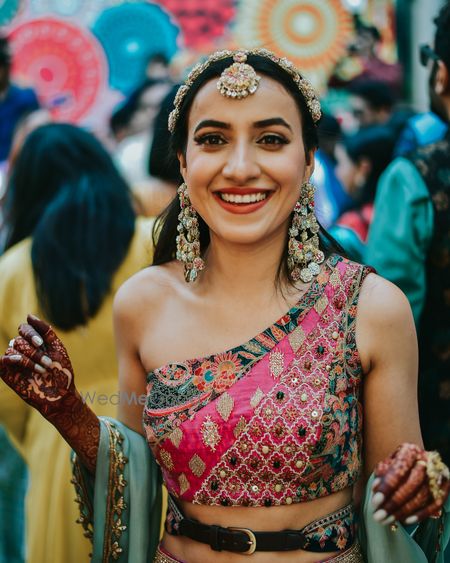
(242, 207)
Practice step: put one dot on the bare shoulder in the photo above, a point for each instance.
(385, 325)
(146, 290)
(382, 303)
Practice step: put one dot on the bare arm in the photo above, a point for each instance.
(411, 483)
(387, 342)
(132, 377)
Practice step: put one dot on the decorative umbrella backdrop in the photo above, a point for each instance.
(83, 56)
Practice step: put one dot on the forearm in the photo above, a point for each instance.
(80, 428)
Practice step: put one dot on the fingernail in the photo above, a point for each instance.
(33, 317)
(388, 520)
(380, 515)
(376, 482)
(37, 340)
(15, 357)
(377, 499)
(46, 361)
(411, 520)
(11, 342)
(39, 368)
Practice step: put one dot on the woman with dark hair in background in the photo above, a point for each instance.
(259, 438)
(155, 194)
(361, 159)
(72, 240)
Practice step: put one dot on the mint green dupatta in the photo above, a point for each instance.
(120, 507)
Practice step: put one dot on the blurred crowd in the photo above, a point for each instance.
(75, 222)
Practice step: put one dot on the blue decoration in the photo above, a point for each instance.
(130, 34)
(8, 9)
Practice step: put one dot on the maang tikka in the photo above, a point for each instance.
(188, 238)
(304, 254)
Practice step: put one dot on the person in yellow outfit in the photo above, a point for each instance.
(72, 239)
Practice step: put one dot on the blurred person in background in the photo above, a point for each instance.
(158, 67)
(372, 103)
(331, 200)
(132, 125)
(73, 239)
(26, 124)
(155, 194)
(363, 62)
(409, 243)
(14, 101)
(361, 159)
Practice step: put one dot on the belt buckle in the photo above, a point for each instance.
(251, 540)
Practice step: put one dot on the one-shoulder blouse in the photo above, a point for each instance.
(274, 421)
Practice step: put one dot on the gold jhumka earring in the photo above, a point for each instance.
(304, 254)
(188, 238)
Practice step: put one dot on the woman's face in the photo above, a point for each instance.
(346, 171)
(245, 161)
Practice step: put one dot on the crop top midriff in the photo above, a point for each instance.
(274, 421)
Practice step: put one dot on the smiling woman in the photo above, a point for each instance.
(253, 370)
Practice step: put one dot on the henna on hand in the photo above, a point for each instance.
(410, 485)
(37, 367)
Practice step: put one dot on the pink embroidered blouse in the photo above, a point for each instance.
(274, 421)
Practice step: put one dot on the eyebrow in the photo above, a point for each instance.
(258, 124)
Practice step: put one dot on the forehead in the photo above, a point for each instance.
(271, 99)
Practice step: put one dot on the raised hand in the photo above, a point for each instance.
(411, 485)
(37, 367)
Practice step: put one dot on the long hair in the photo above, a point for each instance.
(66, 193)
(165, 228)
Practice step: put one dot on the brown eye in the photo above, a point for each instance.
(273, 140)
(210, 139)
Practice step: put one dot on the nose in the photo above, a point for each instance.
(241, 165)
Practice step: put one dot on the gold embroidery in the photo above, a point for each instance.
(225, 406)
(210, 433)
(256, 399)
(197, 465)
(116, 486)
(166, 458)
(296, 338)
(176, 436)
(321, 304)
(184, 483)
(240, 427)
(276, 364)
(334, 278)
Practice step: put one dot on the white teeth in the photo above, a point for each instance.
(247, 198)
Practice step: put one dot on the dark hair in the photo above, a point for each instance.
(122, 115)
(375, 143)
(163, 162)
(66, 193)
(442, 37)
(5, 54)
(165, 229)
(377, 94)
(363, 27)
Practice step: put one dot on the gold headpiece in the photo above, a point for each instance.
(240, 79)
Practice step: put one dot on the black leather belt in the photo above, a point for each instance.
(242, 540)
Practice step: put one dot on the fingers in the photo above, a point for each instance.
(414, 505)
(416, 479)
(31, 335)
(18, 361)
(395, 470)
(43, 329)
(21, 346)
